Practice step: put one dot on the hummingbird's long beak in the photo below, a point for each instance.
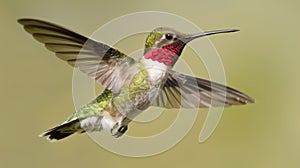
(189, 38)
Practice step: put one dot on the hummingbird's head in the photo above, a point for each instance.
(163, 37)
(166, 44)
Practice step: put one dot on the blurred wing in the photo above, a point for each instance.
(98, 60)
(189, 92)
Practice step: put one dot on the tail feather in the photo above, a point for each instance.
(62, 131)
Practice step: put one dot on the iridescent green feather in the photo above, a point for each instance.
(139, 83)
(152, 38)
(93, 108)
(137, 89)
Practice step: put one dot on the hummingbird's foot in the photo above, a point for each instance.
(120, 131)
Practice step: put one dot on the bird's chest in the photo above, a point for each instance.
(144, 85)
(145, 89)
(156, 71)
(140, 91)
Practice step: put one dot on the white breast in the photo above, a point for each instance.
(155, 69)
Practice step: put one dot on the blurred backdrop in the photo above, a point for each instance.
(262, 60)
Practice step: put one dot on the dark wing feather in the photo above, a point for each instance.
(96, 59)
(189, 92)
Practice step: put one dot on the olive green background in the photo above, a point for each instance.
(262, 60)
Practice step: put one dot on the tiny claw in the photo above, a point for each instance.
(117, 134)
(121, 131)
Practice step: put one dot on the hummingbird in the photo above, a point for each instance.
(130, 86)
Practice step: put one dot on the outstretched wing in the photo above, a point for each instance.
(189, 92)
(98, 60)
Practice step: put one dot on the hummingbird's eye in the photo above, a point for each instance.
(169, 36)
